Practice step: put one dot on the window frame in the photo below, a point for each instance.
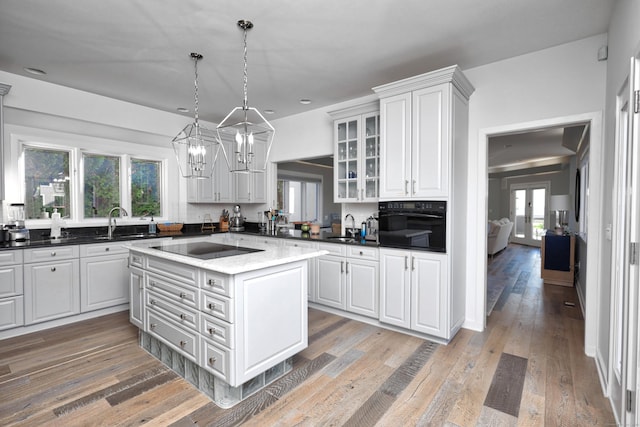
(76, 146)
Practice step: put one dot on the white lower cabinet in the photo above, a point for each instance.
(11, 289)
(104, 276)
(51, 288)
(348, 279)
(414, 291)
(136, 296)
(312, 288)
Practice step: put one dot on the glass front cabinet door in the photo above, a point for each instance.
(357, 158)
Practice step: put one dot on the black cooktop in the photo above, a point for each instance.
(205, 250)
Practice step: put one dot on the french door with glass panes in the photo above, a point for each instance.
(528, 206)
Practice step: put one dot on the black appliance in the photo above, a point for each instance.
(413, 225)
(205, 250)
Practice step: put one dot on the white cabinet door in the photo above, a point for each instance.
(136, 297)
(430, 142)
(252, 187)
(104, 281)
(331, 281)
(429, 308)
(395, 146)
(395, 287)
(312, 265)
(51, 290)
(222, 179)
(11, 312)
(362, 287)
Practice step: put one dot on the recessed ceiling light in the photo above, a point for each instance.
(35, 71)
(305, 101)
(182, 110)
(269, 111)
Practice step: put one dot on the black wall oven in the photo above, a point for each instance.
(413, 225)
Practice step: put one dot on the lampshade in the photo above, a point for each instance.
(560, 202)
(196, 147)
(246, 130)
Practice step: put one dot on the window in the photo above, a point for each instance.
(83, 185)
(145, 187)
(101, 184)
(46, 181)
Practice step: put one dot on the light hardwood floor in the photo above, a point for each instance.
(94, 373)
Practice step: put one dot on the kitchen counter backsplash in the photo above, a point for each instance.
(89, 235)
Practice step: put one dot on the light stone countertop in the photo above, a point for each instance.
(270, 256)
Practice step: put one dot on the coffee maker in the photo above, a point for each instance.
(236, 222)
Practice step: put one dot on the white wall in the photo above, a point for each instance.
(624, 42)
(39, 109)
(561, 81)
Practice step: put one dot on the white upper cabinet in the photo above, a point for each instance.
(418, 127)
(356, 154)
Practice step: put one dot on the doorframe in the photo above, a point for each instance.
(478, 197)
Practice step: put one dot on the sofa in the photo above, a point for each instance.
(498, 233)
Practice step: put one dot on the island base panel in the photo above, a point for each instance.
(220, 392)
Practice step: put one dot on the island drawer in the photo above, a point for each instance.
(173, 290)
(217, 330)
(185, 273)
(173, 335)
(216, 305)
(184, 316)
(215, 359)
(136, 260)
(217, 283)
(51, 253)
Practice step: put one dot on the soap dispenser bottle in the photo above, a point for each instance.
(152, 226)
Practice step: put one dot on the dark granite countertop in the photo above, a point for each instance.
(92, 235)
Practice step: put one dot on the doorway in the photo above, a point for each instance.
(529, 214)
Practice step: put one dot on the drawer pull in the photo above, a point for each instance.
(212, 282)
(53, 269)
(183, 343)
(361, 253)
(53, 253)
(182, 295)
(211, 306)
(153, 326)
(152, 302)
(212, 331)
(182, 316)
(212, 360)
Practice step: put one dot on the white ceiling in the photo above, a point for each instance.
(324, 50)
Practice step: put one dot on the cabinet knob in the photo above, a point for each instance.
(153, 326)
(182, 316)
(212, 331)
(211, 306)
(152, 302)
(53, 253)
(106, 249)
(182, 295)
(361, 253)
(53, 269)
(183, 343)
(152, 283)
(211, 282)
(212, 360)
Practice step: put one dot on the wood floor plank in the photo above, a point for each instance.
(351, 373)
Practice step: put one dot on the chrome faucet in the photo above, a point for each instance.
(111, 226)
(353, 224)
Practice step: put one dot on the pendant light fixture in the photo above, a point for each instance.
(196, 147)
(246, 130)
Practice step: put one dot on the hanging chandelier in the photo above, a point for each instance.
(246, 130)
(196, 147)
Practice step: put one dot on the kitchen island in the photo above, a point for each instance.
(224, 314)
